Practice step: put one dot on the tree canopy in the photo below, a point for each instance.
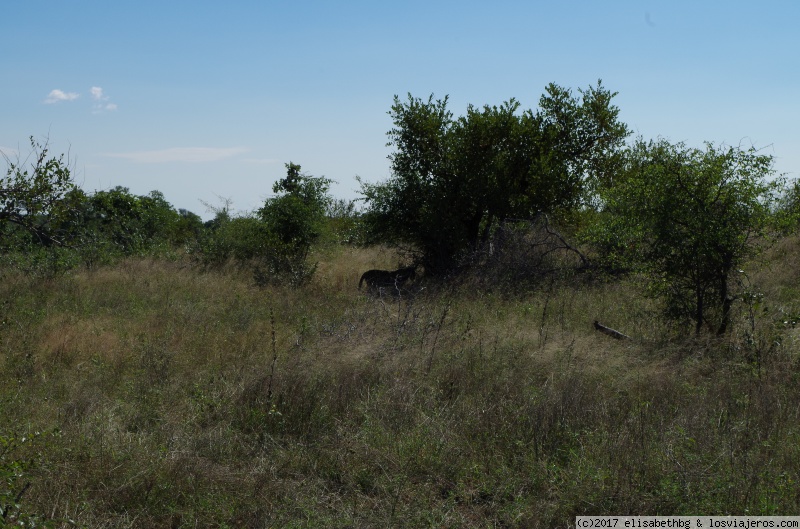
(454, 180)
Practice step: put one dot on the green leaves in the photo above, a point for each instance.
(454, 180)
(688, 218)
(295, 220)
(296, 216)
(33, 194)
(46, 218)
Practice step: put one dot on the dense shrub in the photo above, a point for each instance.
(688, 218)
(455, 180)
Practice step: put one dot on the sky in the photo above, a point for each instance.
(207, 101)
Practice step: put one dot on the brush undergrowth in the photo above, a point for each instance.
(154, 394)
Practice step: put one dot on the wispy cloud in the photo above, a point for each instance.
(56, 96)
(181, 154)
(261, 161)
(101, 101)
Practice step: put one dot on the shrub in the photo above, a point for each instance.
(455, 180)
(689, 218)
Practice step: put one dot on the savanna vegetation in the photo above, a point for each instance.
(162, 371)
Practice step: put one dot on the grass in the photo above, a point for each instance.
(167, 396)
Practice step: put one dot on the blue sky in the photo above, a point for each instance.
(202, 99)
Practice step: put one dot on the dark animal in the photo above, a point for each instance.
(384, 279)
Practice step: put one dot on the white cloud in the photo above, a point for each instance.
(101, 103)
(181, 154)
(101, 99)
(56, 96)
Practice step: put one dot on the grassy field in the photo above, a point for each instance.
(155, 394)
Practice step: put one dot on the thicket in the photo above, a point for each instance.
(684, 218)
(49, 225)
(276, 241)
(454, 181)
(688, 219)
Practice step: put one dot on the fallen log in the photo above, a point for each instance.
(610, 332)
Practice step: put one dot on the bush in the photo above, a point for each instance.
(689, 218)
(241, 238)
(455, 180)
(34, 196)
(295, 220)
(344, 223)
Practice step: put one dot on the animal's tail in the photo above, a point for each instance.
(361, 281)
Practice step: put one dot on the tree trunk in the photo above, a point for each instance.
(726, 301)
(699, 308)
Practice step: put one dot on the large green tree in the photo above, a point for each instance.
(454, 180)
(688, 218)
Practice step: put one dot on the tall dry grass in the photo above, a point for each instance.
(167, 396)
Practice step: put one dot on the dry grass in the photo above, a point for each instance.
(339, 269)
(172, 397)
